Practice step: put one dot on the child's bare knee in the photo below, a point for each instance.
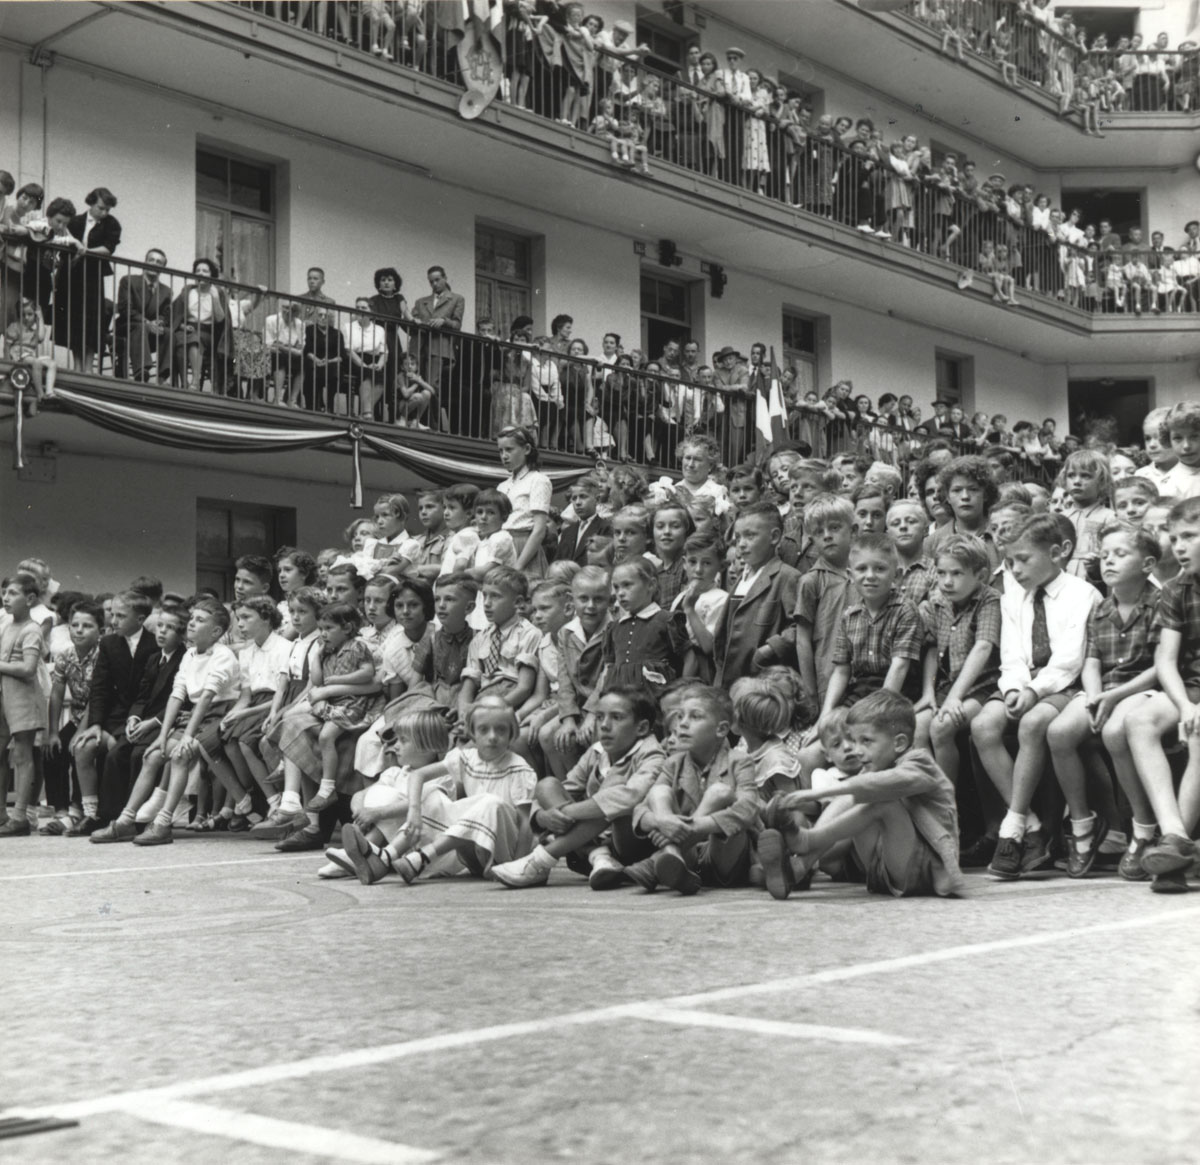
(550, 793)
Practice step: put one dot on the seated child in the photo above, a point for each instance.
(458, 505)
(1118, 664)
(551, 608)
(1156, 440)
(900, 817)
(699, 812)
(762, 715)
(702, 602)
(598, 797)
(495, 546)
(907, 526)
(1155, 522)
(486, 821)
(1043, 637)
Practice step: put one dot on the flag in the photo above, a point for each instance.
(770, 415)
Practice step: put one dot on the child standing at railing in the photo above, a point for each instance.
(898, 195)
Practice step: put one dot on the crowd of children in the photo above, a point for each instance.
(751, 677)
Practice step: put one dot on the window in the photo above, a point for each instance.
(668, 44)
(1122, 208)
(666, 313)
(955, 378)
(235, 216)
(813, 96)
(227, 530)
(800, 340)
(503, 277)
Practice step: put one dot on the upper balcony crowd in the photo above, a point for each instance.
(1028, 43)
(743, 128)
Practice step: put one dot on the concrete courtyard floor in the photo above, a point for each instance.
(214, 1001)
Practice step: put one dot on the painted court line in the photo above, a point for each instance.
(765, 1027)
(153, 869)
(277, 1134)
(369, 1057)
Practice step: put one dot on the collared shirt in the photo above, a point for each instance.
(450, 649)
(216, 672)
(1179, 610)
(1182, 482)
(915, 580)
(403, 660)
(689, 782)
(530, 493)
(1124, 649)
(580, 660)
(1069, 602)
(75, 674)
(132, 641)
(300, 657)
(773, 759)
(284, 333)
(260, 666)
(366, 340)
(868, 641)
(954, 630)
(519, 642)
(426, 550)
(616, 786)
(509, 777)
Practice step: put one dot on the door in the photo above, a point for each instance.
(1112, 410)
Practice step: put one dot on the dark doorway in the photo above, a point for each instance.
(1122, 208)
(1113, 22)
(1118, 407)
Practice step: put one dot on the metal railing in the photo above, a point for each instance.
(1026, 50)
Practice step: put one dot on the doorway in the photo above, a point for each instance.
(1122, 208)
(1114, 23)
(1111, 409)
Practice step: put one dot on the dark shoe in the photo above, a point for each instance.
(1079, 864)
(1006, 861)
(776, 863)
(1036, 852)
(607, 873)
(776, 818)
(1172, 883)
(671, 870)
(56, 827)
(239, 824)
(279, 825)
(300, 842)
(14, 828)
(154, 834)
(321, 802)
(642, 874)
(1172, 853)
(978, 854)
(369, 865)
(117, 831)
(576, 861)
(84, 828)
(1131, 861)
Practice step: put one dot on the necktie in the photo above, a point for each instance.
(491, 665)
(1041, 632)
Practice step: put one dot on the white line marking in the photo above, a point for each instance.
(765, 1027)
(154, 869)
(277, 1134)
(385, 1053)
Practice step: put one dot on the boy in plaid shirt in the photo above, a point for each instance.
(1119, 664)
(907, 525)
(962, 662)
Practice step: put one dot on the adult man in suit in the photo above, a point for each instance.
(443, 313)
(141, 727)
(120, 662)
(573, 541)
(143, 318)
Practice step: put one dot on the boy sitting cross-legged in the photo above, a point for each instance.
(1043, 637)
(898, 812)
(703, 804)
(598, 795)
(1119, 664)
(1177, 662)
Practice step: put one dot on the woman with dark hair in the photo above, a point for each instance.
(13, 233)
(200, 330)
(392, 308)
(80, 312)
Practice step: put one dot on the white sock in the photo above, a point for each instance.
(1081, 827)
(155, 802)
(290, 803)
(1144, 832)
(541, 855)
(127, 816)
(273, 802)
(1013, 825)
(325, 788)
(243, 807)
(1033, 823)
(163, 818)
(91, 806)
(226, 813)
(601, 851)
(19, 812)
(314, 823)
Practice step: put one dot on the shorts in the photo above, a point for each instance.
(917, 878)
(1057, 700)
(710, 873)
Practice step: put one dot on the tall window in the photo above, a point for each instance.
(503, 277)
(235, 216)
(666, 313)
(227, 530)
(668, 43)
(953, 376)
(800, 349)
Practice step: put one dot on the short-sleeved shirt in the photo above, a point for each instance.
(530, 493)
(425, 550)
(710, 608)
(954, 630)
(216, 672)
(773, 759)
(914, 581)
(869, 643)
(1179, 610)
(405, 661)
(76, 674)
(260, 666)
(519, 643)
(510, 778)
(1124, 649)
(689, 782)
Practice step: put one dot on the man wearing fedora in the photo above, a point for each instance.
(732, 374)
(737, 87)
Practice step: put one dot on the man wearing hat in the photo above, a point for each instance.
(737, 86)
(618, 48)
(732, 374)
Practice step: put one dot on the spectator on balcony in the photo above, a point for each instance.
(689, 362)
(283, 334)
(579, 62)
(27, 340)
(653, 119)
(740, 96)
(324, 365)
(617, 48)
(576, 380)
(1187, 264)
(512, 399)
(13, 232)
(548, 81)
(49, 245)
(81, 313)
(732, 374)
(366, 349)
(560, 333)
(1187, 77)
(442, 311)
(483, 365)
(709, 106)
(199, 331)
(518, 49)
(756, 161)
(313, 295)
(393, 307)
(143, 318)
